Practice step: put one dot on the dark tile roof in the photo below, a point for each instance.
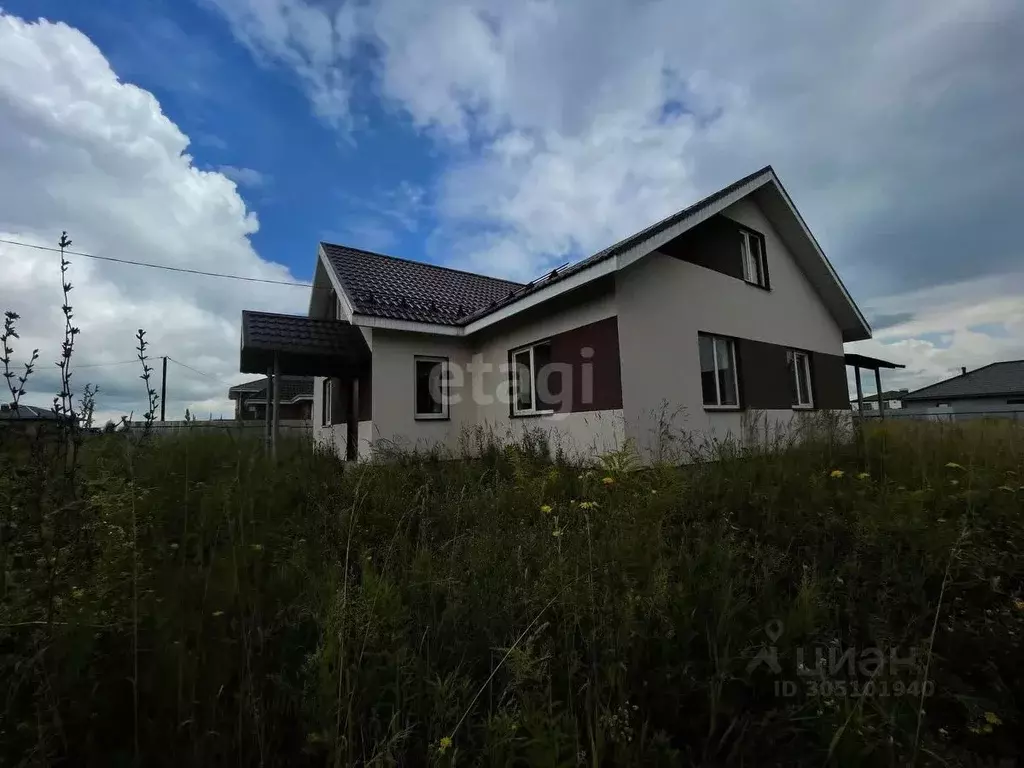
(27, 413)
(1006, 378)
(292, 387)
(386, 286)
(298, 337)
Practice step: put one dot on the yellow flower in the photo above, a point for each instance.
(953, 465)
(863, 476)
(992, 718)
(836, 473)
(446, 741)
(608, 480)
(588, 505)
(545, 508)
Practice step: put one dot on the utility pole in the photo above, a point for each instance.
(163, 391)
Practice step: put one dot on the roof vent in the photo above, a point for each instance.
(963, 370)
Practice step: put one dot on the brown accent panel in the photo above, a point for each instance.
(592, 354)
(714, 244)
(764, 377)
(828, 378)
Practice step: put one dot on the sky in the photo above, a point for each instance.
(505, 138)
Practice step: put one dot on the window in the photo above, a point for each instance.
(718, 371)
(327, 396)
(799, 366)
(431, 387)
(529, 382)
(754, 270)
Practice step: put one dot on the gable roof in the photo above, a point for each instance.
(27, 413)
(379, 286)
(386, 286)
(302, 344)
(292, 388)
(992, 380)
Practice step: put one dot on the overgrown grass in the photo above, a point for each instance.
(204, 606)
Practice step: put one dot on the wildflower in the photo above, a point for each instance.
(588, 505)
(953, 465)
(77, 592)
(545, 508)
(174, 546)
(557, 532)
(608, 480)
(863, 476)
(992, 718)
(836, 473)
(954, 482)
(654, 491)
(256, 547)
(446, 741)
(1018, 604)
(218, 613)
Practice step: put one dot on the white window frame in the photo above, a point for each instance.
(532, 410)
(796, 355)
(327, 406)
(754, 270)
(444, 414)
(717, 406)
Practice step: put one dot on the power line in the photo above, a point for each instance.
(194, 370)
(105, 365)
(160, 266)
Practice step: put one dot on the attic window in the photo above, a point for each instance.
(755, 271)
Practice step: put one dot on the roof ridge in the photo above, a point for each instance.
(421, 263)
(964, 375)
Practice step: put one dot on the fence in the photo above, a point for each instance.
(944, 414)
(289, 427)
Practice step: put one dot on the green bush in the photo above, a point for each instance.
(181, 600)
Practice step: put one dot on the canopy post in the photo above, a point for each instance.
(878, 390)
(277, 407)
(266, 409)
(860, 392)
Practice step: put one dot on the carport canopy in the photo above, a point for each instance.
(302, 346)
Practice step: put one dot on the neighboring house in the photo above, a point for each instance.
(724, 308)
(26, 418)
(296, 399)
(997, 388)
(892, 399)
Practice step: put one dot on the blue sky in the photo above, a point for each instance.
(504, 138)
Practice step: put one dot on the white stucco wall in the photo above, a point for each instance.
(664, 302)
(482, 399)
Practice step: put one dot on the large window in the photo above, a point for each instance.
(799, 366)
(431, 387)
(529, 380)
(754, 270)
(718, 371)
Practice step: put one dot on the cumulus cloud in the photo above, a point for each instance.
(88, 153)
(895, 126)
(243, 177)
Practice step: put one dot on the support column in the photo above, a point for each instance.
(277, 406)
(878, 388)
(268, 392)
(860, 391)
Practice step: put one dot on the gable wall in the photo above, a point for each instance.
(663, 302)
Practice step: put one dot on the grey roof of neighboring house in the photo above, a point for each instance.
(992, 380)
(390, 287)
(292, 388)
(27, 413)
(889, 394)
(386, 286)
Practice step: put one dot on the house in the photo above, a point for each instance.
(296, 401)
(996, 389)
(892, 399)
(27, 419)
(726, 308)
